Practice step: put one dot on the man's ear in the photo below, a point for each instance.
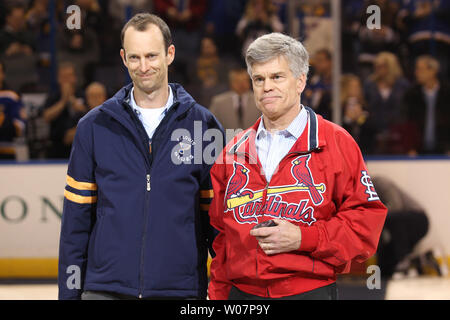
(301, 83)
(123, 56)
(170, 54)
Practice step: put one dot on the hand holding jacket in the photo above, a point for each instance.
(283, 237)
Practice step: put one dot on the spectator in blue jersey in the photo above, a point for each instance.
(426, 24)
(12, 118)
(38, 21)
(220, 22)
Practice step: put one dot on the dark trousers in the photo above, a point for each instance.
(103, 295)
(328, 292)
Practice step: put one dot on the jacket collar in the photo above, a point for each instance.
(295, 129)
(312, 139)
(118, 104)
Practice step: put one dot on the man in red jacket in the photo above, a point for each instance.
(298, 171)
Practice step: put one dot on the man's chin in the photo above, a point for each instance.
(146, 87)
(269, 108)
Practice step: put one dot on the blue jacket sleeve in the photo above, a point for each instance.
(79, 211)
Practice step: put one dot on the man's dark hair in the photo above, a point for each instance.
(141, 21)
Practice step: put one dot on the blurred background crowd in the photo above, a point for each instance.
(394, 90)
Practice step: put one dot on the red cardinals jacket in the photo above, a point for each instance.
(321, 185)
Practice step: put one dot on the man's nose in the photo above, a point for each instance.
(268, 85)
(144, 65)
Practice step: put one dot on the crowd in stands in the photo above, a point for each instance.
(394, 89)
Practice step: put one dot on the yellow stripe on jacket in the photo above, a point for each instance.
(207, 193)
(79, 199)
(81, 185)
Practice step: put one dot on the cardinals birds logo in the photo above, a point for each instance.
(238, 181)
(302, 174)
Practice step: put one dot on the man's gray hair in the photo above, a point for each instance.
(274, 44)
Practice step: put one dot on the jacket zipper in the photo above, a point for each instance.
(262, 206)
(150, 156)
(141, 132)
(141, 275)
(144, 234)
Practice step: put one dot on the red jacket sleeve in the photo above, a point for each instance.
(219, 286)
(353, 232)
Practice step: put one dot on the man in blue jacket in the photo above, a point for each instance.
(135, 219)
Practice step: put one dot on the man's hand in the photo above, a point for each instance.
(283, 237)
(67, 92)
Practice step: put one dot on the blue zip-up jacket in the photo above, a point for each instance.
(135, 217)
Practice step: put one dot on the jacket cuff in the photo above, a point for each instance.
(310, 238)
